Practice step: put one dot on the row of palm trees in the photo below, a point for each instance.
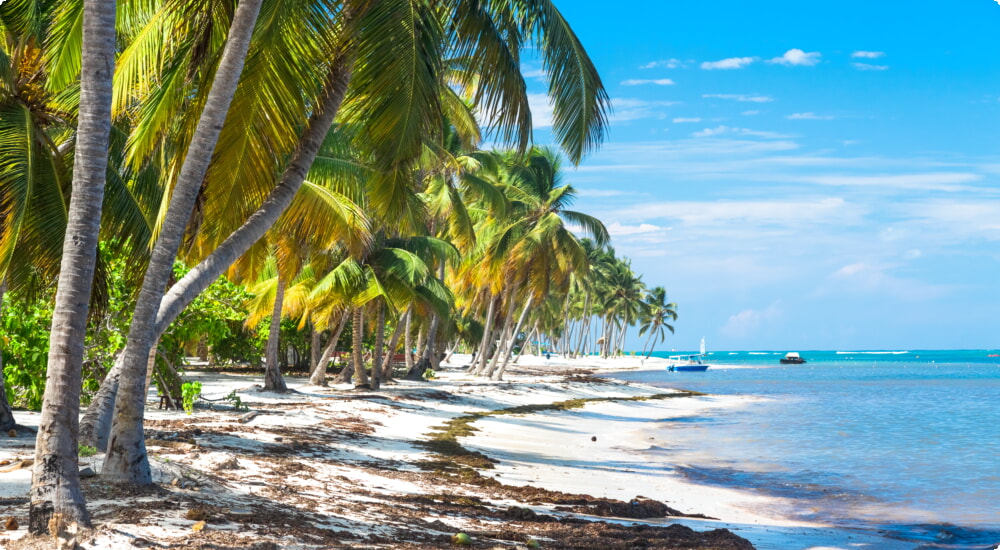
(322, 152)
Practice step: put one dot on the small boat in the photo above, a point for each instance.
(688, 363)
(792, 358)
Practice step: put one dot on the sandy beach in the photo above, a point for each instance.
(552, 455)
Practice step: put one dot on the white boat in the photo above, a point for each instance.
(688, 363)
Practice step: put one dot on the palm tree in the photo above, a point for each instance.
(55, 484)
(656, 317)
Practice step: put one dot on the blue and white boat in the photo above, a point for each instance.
(688, 363)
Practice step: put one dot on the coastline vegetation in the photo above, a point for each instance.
(300, 181)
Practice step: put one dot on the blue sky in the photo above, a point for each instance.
(802, 175)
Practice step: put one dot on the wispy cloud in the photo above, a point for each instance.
(935, 181)
(869, 67)
(626, 109)
(751, 113)
(750, 321)
(682, 120)
(808, 116)
(664, 63)
(797, 57)
(541, 110)
(727, 64)
(616, 229)
(728, 130)
(603, 193)
(867, 55)
(657, 81)
(740, 97)
(774, 213)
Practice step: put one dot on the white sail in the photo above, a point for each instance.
(703, 346)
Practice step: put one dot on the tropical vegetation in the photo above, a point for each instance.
(299, 181)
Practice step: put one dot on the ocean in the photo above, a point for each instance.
(903, 442)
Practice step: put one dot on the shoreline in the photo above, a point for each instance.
(357, 458)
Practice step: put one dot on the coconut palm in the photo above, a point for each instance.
(55, 486)
(656, 318)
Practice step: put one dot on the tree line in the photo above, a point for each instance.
(178, 174)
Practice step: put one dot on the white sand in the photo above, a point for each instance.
(551, 450)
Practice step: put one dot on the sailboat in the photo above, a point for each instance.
(689, 363)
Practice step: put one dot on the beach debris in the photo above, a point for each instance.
(11, 524)
(63, 533)
(196, 514)
(461, 539)
(18, 465)
(593, 438)
(228, 463)
(532, 543)
(248, 417)
(12, 433)
(197, 527)
(87, 472)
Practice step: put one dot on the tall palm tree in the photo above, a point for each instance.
(55, 484)
(656, 318)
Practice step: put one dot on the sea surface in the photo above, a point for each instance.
(904, 442)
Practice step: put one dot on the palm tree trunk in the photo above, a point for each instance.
(318, 377)
(126, 460)
(508, 321)
(273, 381)
(621, 339)
(315, 347)
(498, 375)
(487, 343)
(55, 481)
(585, 324)
(358, 332)
(408, 341)
(95, 427)
(527, 343)
(7, 421)
(379, 345)
(393, 343)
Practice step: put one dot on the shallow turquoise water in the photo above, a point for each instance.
(906, 442)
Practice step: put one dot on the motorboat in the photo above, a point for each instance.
(688, 363)
(792, 358)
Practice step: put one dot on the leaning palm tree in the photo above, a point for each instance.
(55, 484)
(656, 318)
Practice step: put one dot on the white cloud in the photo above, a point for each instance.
(730, 63)
(601, 192)
(530, 71)
(751, 113)
(749, 321)
(658, 82)
(796, 56)
(934, 181)
(616, 229)
(869, 67)
(626, 109)
(729, 130)
(867, 55)
(681, 120)
(790, 214)
(541, 110)
(875, 278)
(665, 63)
(740, 97)
(808, 116)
